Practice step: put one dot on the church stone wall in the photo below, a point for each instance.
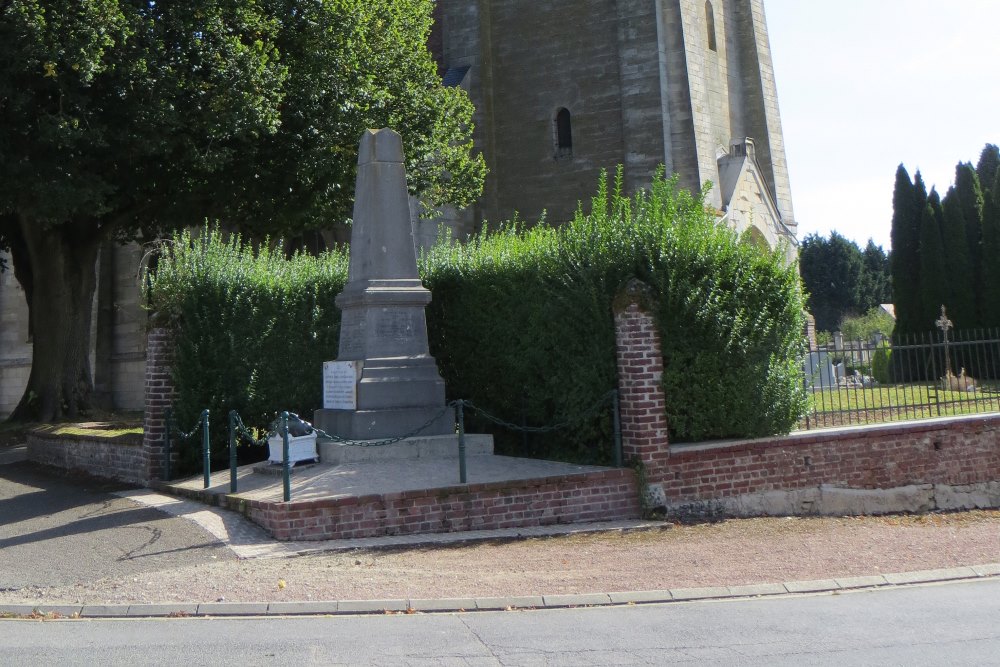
(124, 365)
(15, 348)
(544, 56)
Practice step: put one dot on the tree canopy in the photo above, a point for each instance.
(840, 279)
(120, 119)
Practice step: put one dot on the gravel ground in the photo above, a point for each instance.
(735, 552)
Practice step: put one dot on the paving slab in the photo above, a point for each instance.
(17, 609)
(628, 597)
(513, 602)
(816, 586)
(66, 610)
(862, 582)
(702, 593)
(443, 604)
(581, 600)
(296, 608)
(753, 590)
(371, 606)
(158, 610)
(926, 576)
(104, 611)
(991, 570)
(232, 609)
(331, 481)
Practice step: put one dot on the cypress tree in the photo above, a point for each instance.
(933, 287)
(958, 272)
(905, 262)
(989, 287)
(970, 197)
(988, 166)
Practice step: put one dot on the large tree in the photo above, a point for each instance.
(933, 280)
(120, 119)
(876, 283)
(908, 201)
(831, 272)
(990, 277)
(958, 272)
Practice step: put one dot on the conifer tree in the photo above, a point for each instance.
(958, 272)
(989, 292)
(876, 277)
(933, 290)
(905, 261)
(988, 166)
(970, 196)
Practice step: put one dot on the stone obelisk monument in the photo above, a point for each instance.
(384, 383)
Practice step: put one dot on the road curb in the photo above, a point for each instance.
(514, 603)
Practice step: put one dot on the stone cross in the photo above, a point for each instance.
(944, 324)
(383, 330)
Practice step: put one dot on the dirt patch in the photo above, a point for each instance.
(733, 552)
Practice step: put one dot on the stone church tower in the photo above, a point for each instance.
(564, 88)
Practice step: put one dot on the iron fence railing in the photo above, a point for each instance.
(908, 377)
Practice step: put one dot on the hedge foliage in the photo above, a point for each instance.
(252, 329)
(521, 323)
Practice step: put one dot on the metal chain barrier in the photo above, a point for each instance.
(171, 428)
(238, 432)
(379, 443)
(589, 412)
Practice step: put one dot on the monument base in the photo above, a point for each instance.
(382, 424)
(420, 447)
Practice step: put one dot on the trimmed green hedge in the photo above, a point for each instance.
(520, 324)
(252, 329)
(521, 320)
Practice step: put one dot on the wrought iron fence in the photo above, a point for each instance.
(908, 377)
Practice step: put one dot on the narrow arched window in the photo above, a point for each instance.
(564, 133)
(710, 19)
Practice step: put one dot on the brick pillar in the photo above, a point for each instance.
(640, 370)
(160, 395)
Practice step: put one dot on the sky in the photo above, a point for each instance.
(864, 85)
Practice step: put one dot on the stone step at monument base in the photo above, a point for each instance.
(418, 447)
(385, 424)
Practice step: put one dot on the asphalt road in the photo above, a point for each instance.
(953, 624)
(60, 531)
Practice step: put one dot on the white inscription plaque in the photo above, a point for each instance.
(340, 385)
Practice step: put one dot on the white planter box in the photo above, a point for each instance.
(302, 448)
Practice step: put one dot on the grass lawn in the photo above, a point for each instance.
(867, 405)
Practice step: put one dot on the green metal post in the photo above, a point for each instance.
(286, 472)
(232, 451)
(617, 422)
(206, 454)
(168, 419)
(460, 416)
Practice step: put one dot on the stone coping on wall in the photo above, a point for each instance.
(86, 432)
(842, 432)
(119, 457)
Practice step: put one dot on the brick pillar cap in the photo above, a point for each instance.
(636, 292)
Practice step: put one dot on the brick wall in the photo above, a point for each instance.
(122, 458)
(599, 496)
(960, 454)
(642, 403)
(955, 451)
(159, 396)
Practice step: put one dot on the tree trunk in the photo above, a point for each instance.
(62, 268)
